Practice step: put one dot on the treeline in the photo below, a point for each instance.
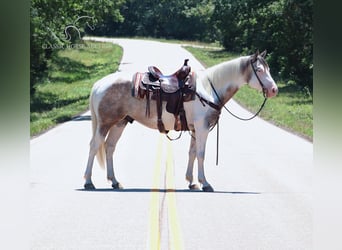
(283, 27)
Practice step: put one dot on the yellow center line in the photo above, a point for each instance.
(176, 241)
(154, 230)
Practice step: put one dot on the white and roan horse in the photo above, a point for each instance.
(111, 101)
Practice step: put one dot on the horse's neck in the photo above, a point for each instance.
(225, 78)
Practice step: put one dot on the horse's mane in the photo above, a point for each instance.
(231, 71)
(227, 71)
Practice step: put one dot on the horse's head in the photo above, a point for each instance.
(260, 77)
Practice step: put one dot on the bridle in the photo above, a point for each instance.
(260, 82)
(221, 104)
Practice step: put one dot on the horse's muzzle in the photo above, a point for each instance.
(272, 92)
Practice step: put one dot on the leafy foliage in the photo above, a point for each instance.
(176, 19)
(49, 21)
(283, 27)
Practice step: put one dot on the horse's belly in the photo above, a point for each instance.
(139, 114)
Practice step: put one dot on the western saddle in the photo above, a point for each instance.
(174, 89)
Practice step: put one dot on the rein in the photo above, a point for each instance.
(261, 107)
(240, 118)
(218, 107)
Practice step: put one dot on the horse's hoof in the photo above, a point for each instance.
(194, 187)
(89, 186)
(208, 189)
(117, 186)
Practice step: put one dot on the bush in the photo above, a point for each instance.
(283, 27)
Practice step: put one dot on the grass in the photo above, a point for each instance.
(72, 73)
(291, 109)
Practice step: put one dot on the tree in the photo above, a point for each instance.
(178, 19)
(55, 24)
(283, 27)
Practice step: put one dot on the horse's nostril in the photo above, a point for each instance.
(274, 90)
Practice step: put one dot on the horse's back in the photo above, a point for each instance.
(107, 81)
(109, 85)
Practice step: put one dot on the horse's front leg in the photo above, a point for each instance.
(192, 157)
(201, 140)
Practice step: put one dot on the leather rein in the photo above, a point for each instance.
(221, 104)
(218, 107)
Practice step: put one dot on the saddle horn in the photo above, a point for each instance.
(184, 71)
(186, 62)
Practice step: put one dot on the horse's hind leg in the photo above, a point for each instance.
(95, 143)
(113, 136)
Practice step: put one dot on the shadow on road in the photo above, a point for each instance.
(149, 190)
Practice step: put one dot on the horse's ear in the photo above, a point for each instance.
(263, 54)
(255, 56)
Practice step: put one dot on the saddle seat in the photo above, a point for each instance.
(169, 83)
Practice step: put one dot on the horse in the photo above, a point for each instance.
(111, 102)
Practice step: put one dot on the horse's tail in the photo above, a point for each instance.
(101, 153)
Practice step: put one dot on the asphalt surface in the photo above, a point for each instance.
(263, 184)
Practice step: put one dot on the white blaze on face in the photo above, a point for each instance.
(261, 76)
(265, 77)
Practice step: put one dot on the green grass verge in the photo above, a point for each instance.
(72, 73)
(291, 109)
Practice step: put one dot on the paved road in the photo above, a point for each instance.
(263, 183)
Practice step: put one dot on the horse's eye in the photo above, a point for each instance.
(259, 69)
